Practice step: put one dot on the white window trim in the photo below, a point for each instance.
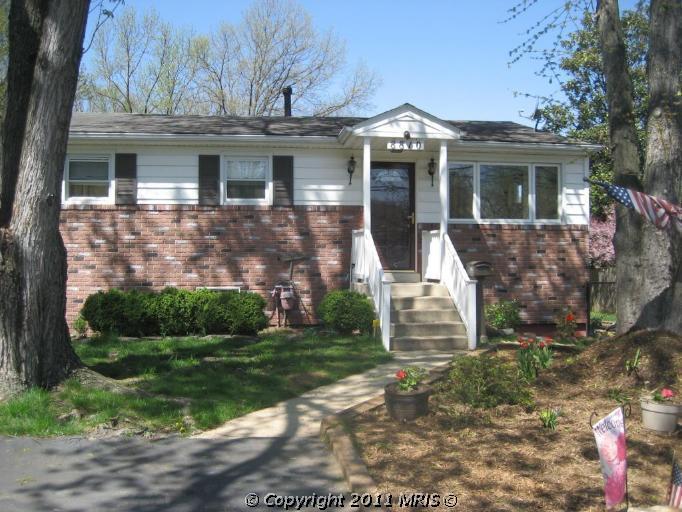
(560, 187)
(267, 158)
(475, 202)
(89, 157)
(531, 220)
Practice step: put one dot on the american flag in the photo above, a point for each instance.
(675, 492)
(657, 210)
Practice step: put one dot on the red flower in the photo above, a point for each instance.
(570, 317)
(548, 340)
(524, 344)
(542, 344)
(401, 374)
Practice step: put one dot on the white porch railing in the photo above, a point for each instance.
(366, 267)
(453, 275)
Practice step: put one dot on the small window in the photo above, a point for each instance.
(88, 178)
(246, 179)
(461, 191)
(547, 192)
(504, 192)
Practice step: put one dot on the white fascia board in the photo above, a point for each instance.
(204, 139)
(532, 146)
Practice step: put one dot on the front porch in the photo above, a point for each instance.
(434, 201)
(427, 305)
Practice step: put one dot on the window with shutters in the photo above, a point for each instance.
(247, 180)
(88, 179)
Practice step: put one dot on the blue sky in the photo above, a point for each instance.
(448, 57)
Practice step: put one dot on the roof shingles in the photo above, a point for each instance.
(154, 124)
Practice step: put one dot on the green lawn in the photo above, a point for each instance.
(188, 383)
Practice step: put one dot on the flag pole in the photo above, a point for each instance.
(672, 474)
(625, 433)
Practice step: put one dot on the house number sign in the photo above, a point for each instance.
(405, 145)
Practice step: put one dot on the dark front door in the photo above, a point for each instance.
(392, 187)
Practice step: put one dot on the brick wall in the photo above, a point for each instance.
(153, 246)
(544, 267)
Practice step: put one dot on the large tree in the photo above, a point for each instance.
(648, 260)
(581, 110)
(139, 64)
(142, 64)
(45, 47)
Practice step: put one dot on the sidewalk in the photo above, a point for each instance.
(301, 416)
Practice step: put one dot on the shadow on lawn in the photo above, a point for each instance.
(222, 378)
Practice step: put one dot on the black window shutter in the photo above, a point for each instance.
(209, 179)
(126, 178)
(283, 180)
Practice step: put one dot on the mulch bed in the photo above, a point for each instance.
(502, 459)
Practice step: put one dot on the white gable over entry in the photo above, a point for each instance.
(405, 118)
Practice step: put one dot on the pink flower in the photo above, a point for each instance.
(548, 340)
(401, 374)
(667, 393)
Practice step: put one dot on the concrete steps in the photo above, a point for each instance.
(423, 316)
(427, 329)
(420, 303)
(418, 290)
(443, 343)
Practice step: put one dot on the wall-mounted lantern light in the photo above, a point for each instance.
(351, 169)
(431, 169)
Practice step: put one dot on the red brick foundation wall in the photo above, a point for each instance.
(543, 267)
(149, 247)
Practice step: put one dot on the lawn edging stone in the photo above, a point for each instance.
(334, 434)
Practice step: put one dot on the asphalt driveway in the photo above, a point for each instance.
(170, 475)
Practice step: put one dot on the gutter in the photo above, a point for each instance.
(314, 140)
(199, 138)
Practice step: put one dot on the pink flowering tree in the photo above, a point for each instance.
(601, 240)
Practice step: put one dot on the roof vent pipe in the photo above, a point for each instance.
(286, 92)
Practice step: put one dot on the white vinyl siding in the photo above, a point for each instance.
(170, 175)
(575, 192)
(321, 178)
(164, 178)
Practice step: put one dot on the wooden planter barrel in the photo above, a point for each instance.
(406, 405)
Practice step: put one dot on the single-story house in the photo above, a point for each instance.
(151, 201)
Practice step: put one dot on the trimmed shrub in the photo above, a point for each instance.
(175, 312)
(486, 382)
(123, 313)
(346, 311)
(503, 314)
(231, 312)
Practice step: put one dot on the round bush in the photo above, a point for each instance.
(231, 312)
(503, 314)
(124, 313)
(346, 311)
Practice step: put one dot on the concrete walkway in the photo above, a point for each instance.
(301, 416)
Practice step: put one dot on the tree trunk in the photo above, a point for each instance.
(647, 259)
(46, 40)
(661, 250)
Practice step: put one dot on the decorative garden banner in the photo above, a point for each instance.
(609, 432)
